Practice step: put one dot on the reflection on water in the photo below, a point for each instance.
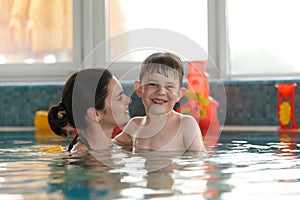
(243, 166)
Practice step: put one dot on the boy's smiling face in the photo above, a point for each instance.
(159, 93)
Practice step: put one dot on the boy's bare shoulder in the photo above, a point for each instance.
(188, 120)
(187, 117)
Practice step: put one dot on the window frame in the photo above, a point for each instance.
(90, 28)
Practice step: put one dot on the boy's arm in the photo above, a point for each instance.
(192, 134)
(124, 139)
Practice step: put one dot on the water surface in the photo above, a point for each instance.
(244, 165)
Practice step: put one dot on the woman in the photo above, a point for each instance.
(93, 103)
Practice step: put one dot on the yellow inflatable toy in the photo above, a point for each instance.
(41, 120)
(43, 131)
(51, 149)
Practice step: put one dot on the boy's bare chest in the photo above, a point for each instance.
(168, 135)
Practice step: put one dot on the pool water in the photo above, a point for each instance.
(244, 165)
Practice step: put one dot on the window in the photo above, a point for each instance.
(188, 18)
(36, 31)
(263, 37)
(37, 40)
(141, 27)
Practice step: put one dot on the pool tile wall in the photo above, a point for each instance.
(255, 102)
(19, 102)
(247, 102)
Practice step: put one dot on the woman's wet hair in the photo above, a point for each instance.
(83, 89)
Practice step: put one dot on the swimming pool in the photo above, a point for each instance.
(244, 165)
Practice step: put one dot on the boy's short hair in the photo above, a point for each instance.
(163, 63)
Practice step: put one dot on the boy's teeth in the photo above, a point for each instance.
(158, 101)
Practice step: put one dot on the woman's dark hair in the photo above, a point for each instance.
(83, 89)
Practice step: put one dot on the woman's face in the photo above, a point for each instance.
(116, 105)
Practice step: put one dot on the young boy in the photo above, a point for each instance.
(160, 88)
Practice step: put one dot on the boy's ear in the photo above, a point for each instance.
(181, 93)
(138, 88)
(93, 114)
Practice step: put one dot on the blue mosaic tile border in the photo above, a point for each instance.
(19, 102)
(247, 102)
(255, 102)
